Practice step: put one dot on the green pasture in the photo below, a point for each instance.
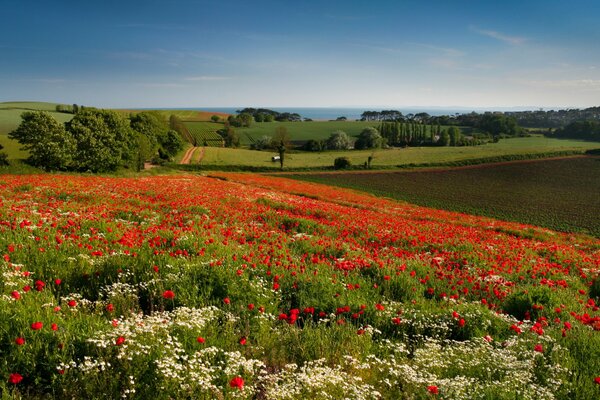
(396, 156)
(302, 131)
(10, 118)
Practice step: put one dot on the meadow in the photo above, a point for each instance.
(240, 286)
(561, 194)
(302, 131)
(394, 157)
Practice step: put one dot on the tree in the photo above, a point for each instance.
(369, 138)
(3, 157)
(104, 141)
(215, 118)
(154, 126)
(172, 143)
(341, 163)
(246, 119)
(281, 136)
(261, 143)
(49, 145)
(338, 140)
(444, 139)
(455, 136)
(313, 145)
(230, 136)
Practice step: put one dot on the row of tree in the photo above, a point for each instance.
(554, 118)
(95, 140)
(586, 130)
(267, 115)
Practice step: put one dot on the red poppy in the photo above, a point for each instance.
(200, 339)
(538, 348)
(168, 294)
(461, 322)
(72, 303)
(36, 326)
(250, 306)
(597, 380)
(237, 382)
(243, 340)
(110, 307)
(54, 327)
(15, 378)
(432, 389)
(15, 295)
(226, 300)
(20, 341)
(120, 340)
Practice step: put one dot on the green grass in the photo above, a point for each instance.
(10, 118)
(205, 131)
(302, 131)
(388, 158)
(560, 194)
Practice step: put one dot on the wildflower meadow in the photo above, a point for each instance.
(240, 286)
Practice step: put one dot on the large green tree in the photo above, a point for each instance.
(369, 138)
(104, 141)
(49, 145)
(338, 140)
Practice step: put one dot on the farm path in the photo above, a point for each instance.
(187, 157)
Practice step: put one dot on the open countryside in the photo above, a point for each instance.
(318, 200)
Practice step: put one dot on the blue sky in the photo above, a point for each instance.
(192, 53)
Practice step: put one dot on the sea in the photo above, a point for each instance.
(353, 113)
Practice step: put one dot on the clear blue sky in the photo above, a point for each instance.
(373, 53)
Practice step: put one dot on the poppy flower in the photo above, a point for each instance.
(54, 327)
(15, 295)
(226, 300)
(538, 348)
(597, 380)
(72, 303)
(20, 341)
(243, 340)
(432, 389)
(237, 382)
(461, 322)
(15, 378)
(36, 326)
(168, 294)
(200, 339)
(120, 340)
(110, 307)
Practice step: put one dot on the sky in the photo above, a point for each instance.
(193, 53)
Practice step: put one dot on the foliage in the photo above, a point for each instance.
(313, 145)
(341, 163)
(586, 130)
(3, 157)
(369, 138)
(338, 140)
(262, 143)
(103, 141)
(455, 136)
(49, 145)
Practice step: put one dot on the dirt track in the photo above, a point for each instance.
(187, 157)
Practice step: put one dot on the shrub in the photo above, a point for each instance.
(341, 163)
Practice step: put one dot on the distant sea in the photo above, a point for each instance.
(330, 113)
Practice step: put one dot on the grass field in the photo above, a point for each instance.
(302, 131)
(394, 157)
(186, 115)
(561, 194)
(10, 118)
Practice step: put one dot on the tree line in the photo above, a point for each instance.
(96, 140)
(586, 130)
(554, 118)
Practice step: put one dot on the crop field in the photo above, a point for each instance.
(205, 132)
(241, 286)
(186, 115)
(395, 157)
(562, 194)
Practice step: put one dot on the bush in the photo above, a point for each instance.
(341, 163)
(313, 145)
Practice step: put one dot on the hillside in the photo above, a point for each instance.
(244, 286)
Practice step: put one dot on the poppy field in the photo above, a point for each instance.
(239, 286)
